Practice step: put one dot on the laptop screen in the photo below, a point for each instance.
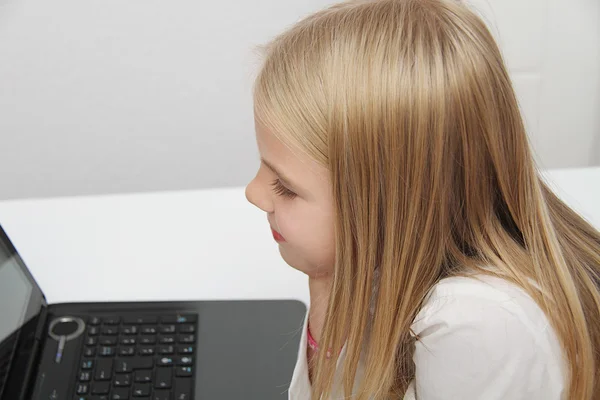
(21, 301)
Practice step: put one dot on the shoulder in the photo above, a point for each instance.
(483, 337)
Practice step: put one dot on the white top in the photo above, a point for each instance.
(481, 338)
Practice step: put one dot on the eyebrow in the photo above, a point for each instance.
(281, 176)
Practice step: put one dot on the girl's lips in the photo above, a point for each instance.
(277, 236)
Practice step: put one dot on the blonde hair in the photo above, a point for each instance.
(410, 106)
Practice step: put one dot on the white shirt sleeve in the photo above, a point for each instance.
(300, 386)
(477, 342)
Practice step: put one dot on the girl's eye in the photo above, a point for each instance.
(281, 190)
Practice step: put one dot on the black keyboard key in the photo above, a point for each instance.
(87, 364)
(123, 365)
(93, 331)
(84, 376)
(147, 339)
(100, 387)
(164, 361)
(186, 349)
(82, 388)
(111, 320)
(143, 363)
(140, 320)
(143, 376)
(186, 318)
(103, 369)
(167, 329)
(107, 340)
(164, 378)
(168, 319)
(129, 330)
(110, 330)
(128, 341)
(186, 339)
(185, 360)
(183, 371)
(106, 351)
(127, 351)
(91, 341)
(98, 397)
(183, 389)
(146, 351)
(89, 352)
(166, 350)
(149, 330)
(161, 395)
(122, 380)
(166, 339)
(119, 394)
(187, 328)
(141, 390)
(94, 321)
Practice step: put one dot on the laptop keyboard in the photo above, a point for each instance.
(138, 357)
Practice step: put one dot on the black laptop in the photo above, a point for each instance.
(140, 350)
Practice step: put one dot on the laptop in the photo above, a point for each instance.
(140, 350)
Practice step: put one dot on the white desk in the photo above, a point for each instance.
(188, 245)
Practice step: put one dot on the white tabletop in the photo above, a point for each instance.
(186, 245)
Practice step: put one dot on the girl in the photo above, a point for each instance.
(396, 173)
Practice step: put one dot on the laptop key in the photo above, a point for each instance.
(165, 361)
(82, 388)
(149, 330)
(185, 360)
(139, 320)
(87, 364)
(142, 363)
(123, 365)
(100, 387)
(183, 371)
(91, 341)
(186, 349)
(163, 379)
(148, 339)
(128, 341)
(186, 339)
(146, 351)
(89, 352)
(161, 395)
(110, 330)
(103, 370)
(143, 376)
(107, 340)
(167, 329)
(167, 340)
(111, 320)
(129, 330)
(127, 351)
(106, 351)
(187, 328)
(94, 321)
(84, 376)
(122, 380)
(183, 389)
(165, 350)
(93, 330)
(119, 394)
(141, 390)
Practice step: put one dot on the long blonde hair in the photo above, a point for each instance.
(410, 106)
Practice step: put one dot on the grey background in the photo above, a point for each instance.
(106, 96)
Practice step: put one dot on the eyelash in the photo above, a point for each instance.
(281, 190)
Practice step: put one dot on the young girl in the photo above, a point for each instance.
(396, 173)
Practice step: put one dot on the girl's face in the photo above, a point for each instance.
(295, 192)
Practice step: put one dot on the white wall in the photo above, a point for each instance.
(104, 96)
